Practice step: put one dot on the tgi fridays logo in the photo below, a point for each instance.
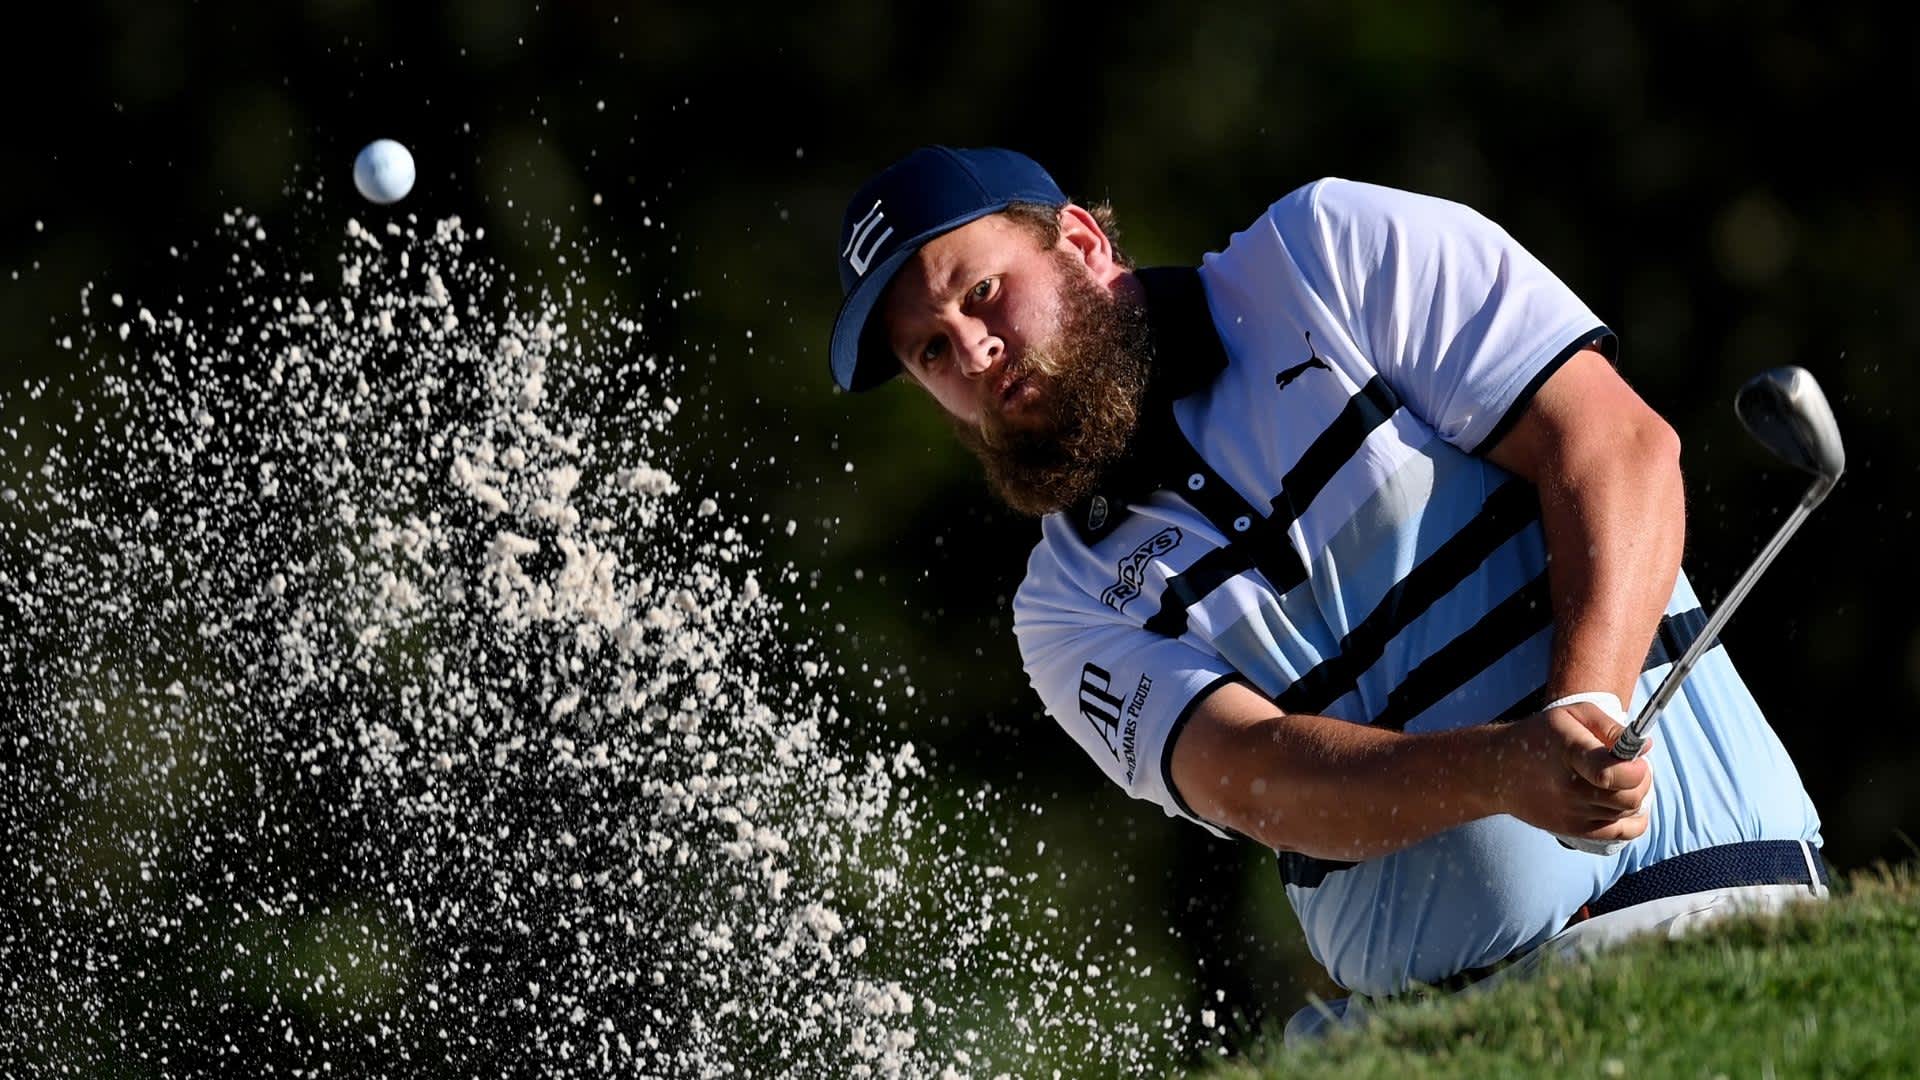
(1133, 568)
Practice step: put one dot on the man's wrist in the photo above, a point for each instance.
(1568, 680)
(1605, 700)
(1491, 753)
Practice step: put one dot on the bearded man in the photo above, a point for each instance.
(1355, 544)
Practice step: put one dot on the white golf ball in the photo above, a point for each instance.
(383, 172)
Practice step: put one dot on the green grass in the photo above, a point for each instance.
(1833, 990)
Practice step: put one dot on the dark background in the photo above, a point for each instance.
(1725, 185)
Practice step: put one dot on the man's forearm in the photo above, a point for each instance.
(1336, 790)
(1339, 790)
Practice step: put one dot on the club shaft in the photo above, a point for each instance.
(1633, 740)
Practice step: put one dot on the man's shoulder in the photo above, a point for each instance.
(1333, 205)
(1048, 582)
(1064, 570)
(1302, 203)
(1323, 235)
(1332, 200)
(1284, 237)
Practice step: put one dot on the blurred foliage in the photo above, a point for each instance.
(1720, 182)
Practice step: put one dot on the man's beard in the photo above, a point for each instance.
(1092, 380)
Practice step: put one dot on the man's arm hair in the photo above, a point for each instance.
(1339, 790)
(1613, 509)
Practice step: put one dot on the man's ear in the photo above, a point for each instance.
(1081, 235)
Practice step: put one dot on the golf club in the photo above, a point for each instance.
(1785, 411)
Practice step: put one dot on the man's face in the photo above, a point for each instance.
(965, 311)
(1037, 353)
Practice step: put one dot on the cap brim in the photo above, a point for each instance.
(856, 368)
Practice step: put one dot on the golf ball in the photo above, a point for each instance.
(383, 172)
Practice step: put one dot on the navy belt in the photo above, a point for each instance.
(1724, 866)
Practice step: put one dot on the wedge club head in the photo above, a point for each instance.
(1786, 412)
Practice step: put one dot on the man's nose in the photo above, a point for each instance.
(980, 350)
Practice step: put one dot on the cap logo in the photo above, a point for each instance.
(857, 258)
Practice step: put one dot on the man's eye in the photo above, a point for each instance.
(932, 351)
(982, 290)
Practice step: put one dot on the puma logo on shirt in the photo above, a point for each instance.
(1313, 361)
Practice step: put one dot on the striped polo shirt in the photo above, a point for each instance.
(1306, 509)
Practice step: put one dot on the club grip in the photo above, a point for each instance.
(1628, 745)
(1609, 704)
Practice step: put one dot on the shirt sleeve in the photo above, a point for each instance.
(1463, 323)
(1121, 692)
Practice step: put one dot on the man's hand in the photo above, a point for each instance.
(1555, 770)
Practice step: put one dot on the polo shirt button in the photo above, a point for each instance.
(1242, 523)
(1097, 512)
(1196, 482)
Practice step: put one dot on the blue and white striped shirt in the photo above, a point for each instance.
(1305, 509)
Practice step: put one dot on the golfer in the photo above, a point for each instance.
(1353, 543)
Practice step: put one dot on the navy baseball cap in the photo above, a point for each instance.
(933, 190)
